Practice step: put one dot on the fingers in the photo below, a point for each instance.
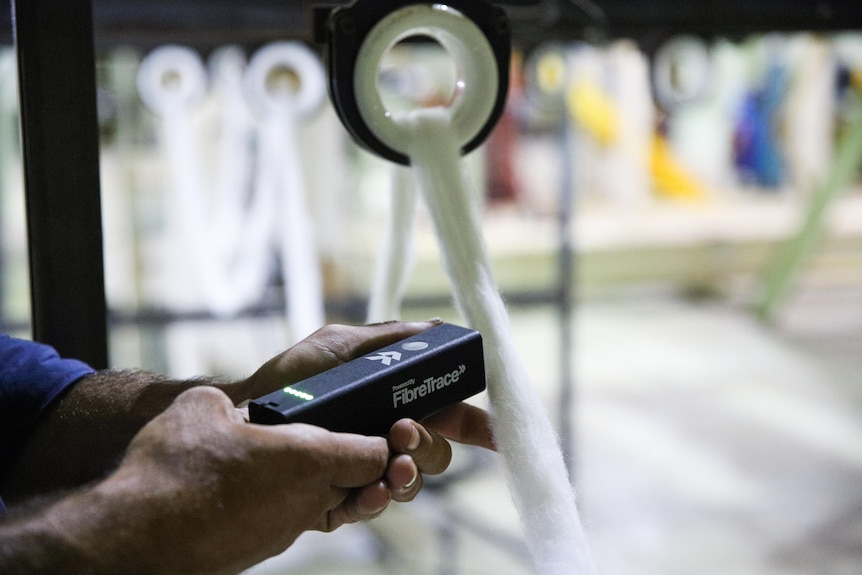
(404, 478)
(326, 348)
(356, 476)
(333, 345)
(423, 448)
(463, 423)
(415, 451)
(350, 342)
(345, 470)
(361, 504)
(431, 452)
(357, 460)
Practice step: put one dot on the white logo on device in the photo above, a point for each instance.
(385, 357)
(409, 391)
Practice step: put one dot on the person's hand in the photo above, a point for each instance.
(209, 493)
(416, 449)
(328, 347)
(212, 493)
(199, 490)
(60, 453)
(424, 449)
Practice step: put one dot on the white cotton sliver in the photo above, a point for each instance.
(231, 169)
(396, 252)
(242, 226)
(536, 472)
(300, 263)
(189, 189)
(225, 243)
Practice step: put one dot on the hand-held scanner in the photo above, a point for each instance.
(413, 378)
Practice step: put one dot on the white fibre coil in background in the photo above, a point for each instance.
(227, 231)
(395, 260)
(226, 68)
(225, 244)
(245, 222)
(285, 77)
(171, 82)
(280, 105)
(470, 108)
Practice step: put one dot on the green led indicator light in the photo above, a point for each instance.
(299, 394)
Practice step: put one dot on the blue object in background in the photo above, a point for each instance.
(757, 151)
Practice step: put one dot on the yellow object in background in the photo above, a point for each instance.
(551, 73)
(597, 113)
(593, 109)
(671, 179)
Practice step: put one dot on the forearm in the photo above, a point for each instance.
(28, 546)
(186, 497)
(106, 529)
(85, 433)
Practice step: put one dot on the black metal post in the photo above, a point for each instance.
(57, 77)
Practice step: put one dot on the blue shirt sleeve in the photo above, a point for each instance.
(32, 375)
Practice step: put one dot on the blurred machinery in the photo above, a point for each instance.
(58, 40)
(56, 50)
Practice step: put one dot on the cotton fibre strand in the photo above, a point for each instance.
(300, 263)
(396, 252)
(536, 472)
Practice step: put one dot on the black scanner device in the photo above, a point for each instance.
(413, 378)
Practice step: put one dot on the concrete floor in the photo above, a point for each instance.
(707, 443)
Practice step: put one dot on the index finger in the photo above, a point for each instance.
(326, 348)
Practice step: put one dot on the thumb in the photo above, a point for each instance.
(356, 460)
